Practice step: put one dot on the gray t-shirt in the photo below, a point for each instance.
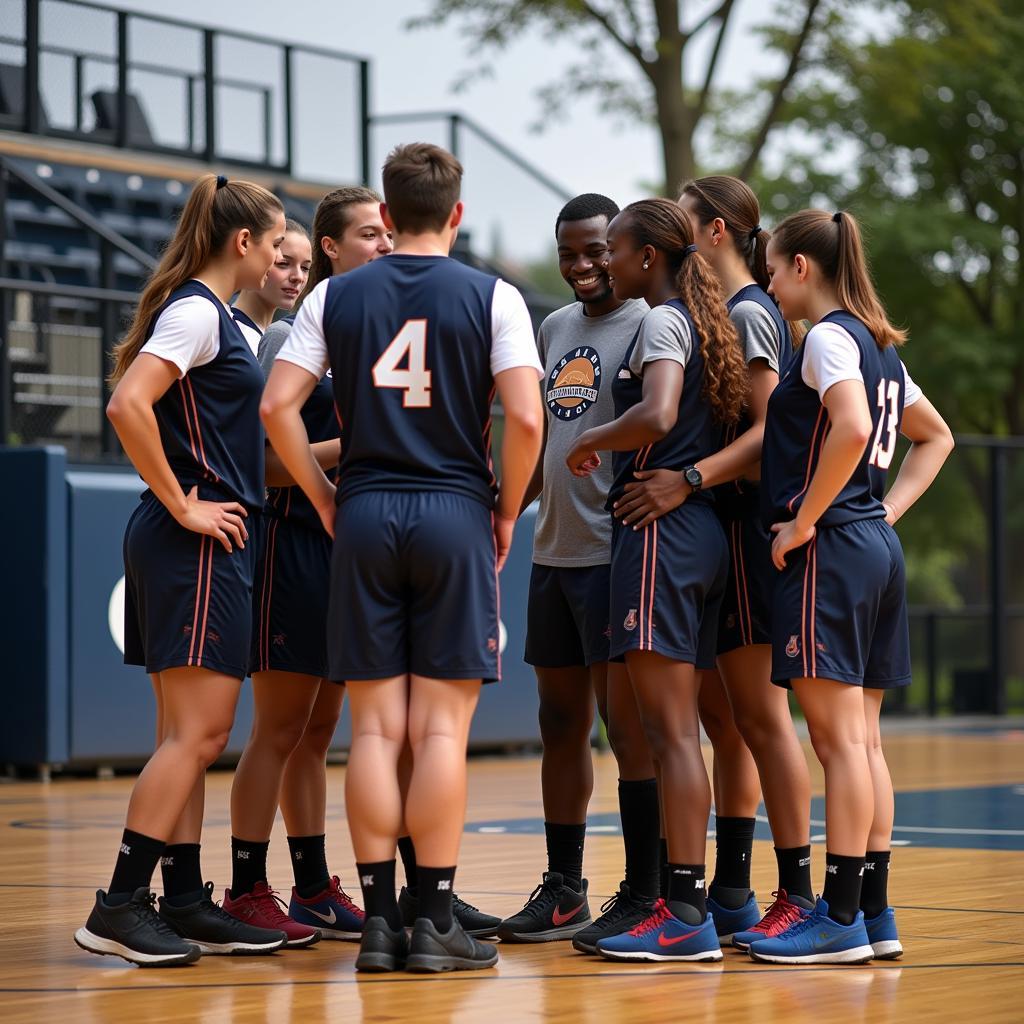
(665, 334)
(270, 344)
(581, 355)
(757, 331)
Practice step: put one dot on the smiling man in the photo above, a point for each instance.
(581, 347)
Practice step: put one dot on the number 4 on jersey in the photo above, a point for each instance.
(414, 380)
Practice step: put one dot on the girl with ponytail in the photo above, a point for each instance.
(742, 713)
(682, 380)
(840, 637)
(296, 709)
(186, 409)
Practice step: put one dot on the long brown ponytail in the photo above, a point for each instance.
(210, 216)
(732, 200)
(662, 224)
(331, 219)
(833, 241)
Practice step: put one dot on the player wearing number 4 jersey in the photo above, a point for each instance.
(418, 345)
(840, 634)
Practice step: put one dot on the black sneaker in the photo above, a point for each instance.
(135, 932)
(216, 932)
(381, 948)
(554, 911)
(623, 911)
(474, 922)
(431, 951)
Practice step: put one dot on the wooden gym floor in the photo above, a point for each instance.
(957, 884)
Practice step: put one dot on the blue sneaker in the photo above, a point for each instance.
(782, 914)
(730, 920)
(662, 936)
(882, 934)
(817, 939)
(331, 912)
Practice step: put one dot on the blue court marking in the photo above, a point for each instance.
(977, 818)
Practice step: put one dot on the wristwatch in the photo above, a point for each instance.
(691, 474)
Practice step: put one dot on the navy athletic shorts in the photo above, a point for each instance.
(188, 602)
(840, 609)
(567, 616)
(289, 608)
(667, 582)
(745, 617)
(413, 588)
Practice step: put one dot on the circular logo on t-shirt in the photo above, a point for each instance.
(574, 383)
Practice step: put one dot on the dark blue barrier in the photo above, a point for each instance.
(69, 697)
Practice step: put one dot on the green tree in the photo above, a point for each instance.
(657, 37)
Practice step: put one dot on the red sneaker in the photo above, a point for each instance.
(263, 908)
(779, 917)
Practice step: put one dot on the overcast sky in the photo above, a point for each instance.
(414, 70)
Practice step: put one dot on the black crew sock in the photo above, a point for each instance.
(309, 865)
(734, 841)
(795, 872)
(378, 884)
(136, 862)
(874, 893)
(182, 875)
(248, 865)
(408, 852)
(843, 878)
(663, 848)
(436, 896)
(638, 811)
(686, 897)
(565, 851)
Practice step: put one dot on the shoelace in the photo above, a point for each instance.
(273, 906)
(343, 897)
(804, 924)
(460, 904)
(782, 913)
(542, 905)
(658, 917)
(148, 912)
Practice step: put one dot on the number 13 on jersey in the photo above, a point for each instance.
(410, 343)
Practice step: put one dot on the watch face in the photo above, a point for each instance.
(693, 478)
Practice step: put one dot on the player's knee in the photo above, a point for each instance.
(210, 746)
(561, 724)
(317, 736)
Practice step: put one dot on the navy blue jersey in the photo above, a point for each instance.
(798, 424)
(694, 436)
(409, 341)
(209, 419)
(244, 318)
(739, 498)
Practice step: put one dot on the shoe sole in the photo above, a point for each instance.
(310, 940)
(378, 963)
(582, 947)
(238, 948)
(422, 963)
(551, 935)
(338, 936)
(707, 956)
(91, 943)
(856, 955)
(890, 949)
(481, 933)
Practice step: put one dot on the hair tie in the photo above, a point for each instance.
(689, 250)
(221, 181)
(837, 216)
(754, 232)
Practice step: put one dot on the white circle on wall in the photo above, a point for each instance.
(502, 637)
(115, 614)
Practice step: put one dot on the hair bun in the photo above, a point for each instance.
(221, 181)
(838, 216)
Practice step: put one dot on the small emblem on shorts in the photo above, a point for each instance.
(213, 636)
(492, 644)
(608, 632)
(821, 647)
(187, 631)
(630, 622)
(731, 621)
(277, 640)
(793, 647)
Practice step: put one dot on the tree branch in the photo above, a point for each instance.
(631, 46)
(721, 11)
(724, 12)
(775, 105)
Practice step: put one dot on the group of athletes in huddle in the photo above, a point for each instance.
(736, 534)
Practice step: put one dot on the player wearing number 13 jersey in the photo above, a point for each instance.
(840, 634)
(418, 345)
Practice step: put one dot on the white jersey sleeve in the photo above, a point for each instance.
(512, 340)
(186, 333)
(831, 355)
(911, 392)
(306, 345)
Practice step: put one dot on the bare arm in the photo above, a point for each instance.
(520, 448)
(848, 434)
(646, 422)
(131, 413)
(286, 392)
(326, 453)
(536, 484)
(932, 443)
